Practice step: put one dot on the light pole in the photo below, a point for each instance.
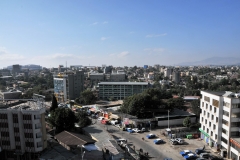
(168, 119)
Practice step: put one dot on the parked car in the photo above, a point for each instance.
(204, 155)
(143, 130)
(100, 118)
(149, 136)
(136, 130)
(185, 152)
(190, 156)
(130, 130)
(158, 141)
(176, 141)
(122, 142)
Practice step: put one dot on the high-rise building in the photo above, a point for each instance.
(22, 129)
(120, 90)
(220, 125)
(68, 85)
(176, 76)
(16, 69)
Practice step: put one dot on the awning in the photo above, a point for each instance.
(202, 131)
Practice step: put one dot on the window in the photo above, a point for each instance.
(226, 113)
(204, 113)
(209, 124)
(207, 130)
(206, 106)
(215, 136)
(3, 125)
(15, 118)
(27, 117)
(205, 121)
(5, 143)
(216, 119)
(215, 109)
(202, 119)
(207, 115)
(203, 127)
(28, 135)
(16, 130)
(3, 116)
(212, 117)
(214, 126)
(27, 126)
(17, 139)
(4, 134)
(224, 140)
(210, 107)
(211, 133)
(215, 102)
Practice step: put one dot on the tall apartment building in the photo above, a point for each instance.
(22, 130)
(68, 85)
(176, 76)
(220, 122)
(120, 90)
(16, 69)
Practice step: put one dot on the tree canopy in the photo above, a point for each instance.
(187, 122)
(62, 119)
(54, 103)
(83, 119)
(195, 107)
(142, 105)
(87, 97)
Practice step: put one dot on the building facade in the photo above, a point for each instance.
(120, 90)
(22, 130)
(220, 122)
(68, 85)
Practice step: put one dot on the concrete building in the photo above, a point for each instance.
(150, 76)
(167, 72)
(97, 76)
(16, 69)
(176, 77)
(22, 130)
(220, 122)
(120, 90)
(117, 77)
(68, 85)
(10, 94)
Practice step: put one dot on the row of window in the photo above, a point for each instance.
(210, 133)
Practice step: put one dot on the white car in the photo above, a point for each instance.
(136, 130)
(100, 118)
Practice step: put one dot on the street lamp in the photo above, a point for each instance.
(168, 119)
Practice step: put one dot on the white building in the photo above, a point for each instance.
(22, 130)
(220, 122)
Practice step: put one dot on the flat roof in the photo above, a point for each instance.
(220, 93)
(124, 83)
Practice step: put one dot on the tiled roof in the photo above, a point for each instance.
(72, 139)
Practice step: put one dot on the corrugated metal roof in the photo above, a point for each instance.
(71, 139)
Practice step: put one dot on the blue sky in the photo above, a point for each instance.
(118, 33)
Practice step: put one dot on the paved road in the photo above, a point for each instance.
(157, 152)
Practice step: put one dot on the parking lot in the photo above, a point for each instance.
(160, 151)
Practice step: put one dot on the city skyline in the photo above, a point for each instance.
(118, 33)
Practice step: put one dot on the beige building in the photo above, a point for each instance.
(22, 130)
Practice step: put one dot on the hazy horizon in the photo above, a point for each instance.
(118, 33)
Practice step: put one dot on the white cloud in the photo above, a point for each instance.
(6, 56)
(120, 55)
(123, 54)
(104, 38)
(95, 23)
(156, 35)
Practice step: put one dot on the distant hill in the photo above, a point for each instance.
(214, 61)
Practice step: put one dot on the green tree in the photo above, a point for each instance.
(196, 107)
(187, 122)
(62, 119)
(54, 103)
(87, 97)
(83, 119)
(175, 102)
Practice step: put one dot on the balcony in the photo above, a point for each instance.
(235, 119)
(235, 110)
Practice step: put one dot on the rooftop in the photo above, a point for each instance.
(29, 105)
